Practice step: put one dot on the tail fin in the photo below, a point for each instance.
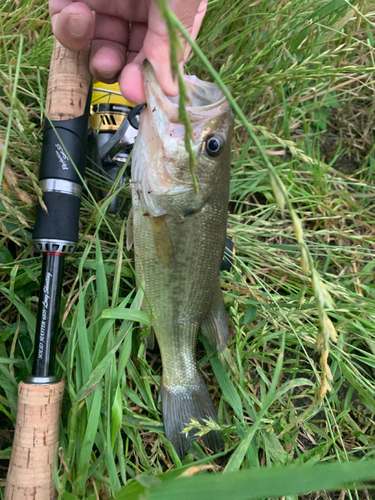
(180, 404)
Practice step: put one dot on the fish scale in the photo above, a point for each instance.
(179, 240)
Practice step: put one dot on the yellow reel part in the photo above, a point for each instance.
(108, 107)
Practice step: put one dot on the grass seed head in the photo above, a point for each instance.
(304, 260)
(297, 226)
(277, 192)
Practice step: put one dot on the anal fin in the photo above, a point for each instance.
(215, 324)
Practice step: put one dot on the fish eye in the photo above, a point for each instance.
(213, 145)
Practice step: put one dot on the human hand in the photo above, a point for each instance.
(124, 33)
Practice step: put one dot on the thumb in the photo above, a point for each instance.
(157, 45)
(157, 52)
(73, 26)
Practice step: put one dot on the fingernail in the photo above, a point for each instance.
(77, 24)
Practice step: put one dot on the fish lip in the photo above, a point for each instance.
(153, 89)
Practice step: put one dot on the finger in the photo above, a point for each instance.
(109, 47)
(136, 40)
(196, 25)
(111, 28)
(156, 45)
(157, 51)
(127, 9)
(137, 36)
(73, 26)
(107, 60)
(56, 6)
(131, 79)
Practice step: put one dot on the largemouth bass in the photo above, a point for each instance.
(179, 239)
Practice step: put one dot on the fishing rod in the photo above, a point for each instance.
(55, 235)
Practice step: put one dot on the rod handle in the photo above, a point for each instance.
(35, 438)
(68, 83)
(30, 473)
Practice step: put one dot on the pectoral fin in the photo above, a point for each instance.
(130, 230)
(162, 240)
(215, 325)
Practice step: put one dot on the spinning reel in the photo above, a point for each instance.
(113, 128)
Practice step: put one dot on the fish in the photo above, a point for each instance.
(179, 236)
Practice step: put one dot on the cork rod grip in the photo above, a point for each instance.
(36, 435)
(68, 83)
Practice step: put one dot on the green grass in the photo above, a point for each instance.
(300, 71)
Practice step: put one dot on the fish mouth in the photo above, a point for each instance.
(205, 99)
